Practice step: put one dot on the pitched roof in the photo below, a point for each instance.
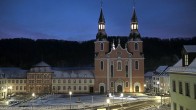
(42, 64)
(13, 72)
(190, 48)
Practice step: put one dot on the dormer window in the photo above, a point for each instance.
(186, 60)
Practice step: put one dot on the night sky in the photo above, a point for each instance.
(78, 19)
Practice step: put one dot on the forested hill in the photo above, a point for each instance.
(21, 52)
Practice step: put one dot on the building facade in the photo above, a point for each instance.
(183, 80)
(119, 69)
(161, 82)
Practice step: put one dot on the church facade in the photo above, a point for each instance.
(119, 69)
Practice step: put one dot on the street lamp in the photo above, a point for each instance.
(70, 93)
(121, 95)
(33, 94)
(108, 102)
(158, 85)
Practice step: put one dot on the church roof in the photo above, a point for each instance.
(101, 17)
(12, 72)
(42, 64)
(134, 17)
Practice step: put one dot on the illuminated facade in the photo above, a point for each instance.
(119, 69)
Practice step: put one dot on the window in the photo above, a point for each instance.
(127, 69)
(127, 84)
(69, 87)
(187, 89)
(16, 81)
(59, 87)
(102, 65)
(79, 81)
(21, 81)
(69, 81)
(102, 46)
(64, 81)
(186, 60)
(20, 87)
(136, 46)
(54, 81)
(112, 71)
(84, 80)
(174, 86)
(174, 104)
(74, 81)
(119, 65)
(136, 65)
(59, 81)
(180, 88)
(16, 87)
(64, 87)
(24, 87)
(9, 81)
(79, 87)
(195, 90)
(181, 108)
(84, 87)
(53, 87)
(112, 84)
(90, 81)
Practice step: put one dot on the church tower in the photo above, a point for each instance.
(101, 49)
(135, 47)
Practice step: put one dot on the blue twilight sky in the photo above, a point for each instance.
(78, 19)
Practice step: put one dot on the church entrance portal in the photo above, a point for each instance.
(119, 88)
(136, 88)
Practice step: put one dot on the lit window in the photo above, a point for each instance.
(119, 65)
(186, 60)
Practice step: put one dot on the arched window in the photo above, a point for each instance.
(102, 46)
(136, 65)
(136, 46)
(127, 71)
(119, 65)
(101, 65)
(112, 71)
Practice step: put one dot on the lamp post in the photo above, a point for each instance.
(144, 87)
(33, 95)
(113, 95)
(158, 85)
(70, 93)
(121, 95)
(108, 102)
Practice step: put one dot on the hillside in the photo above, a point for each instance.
(21, 52)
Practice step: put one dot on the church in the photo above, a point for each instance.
(119, 69)
(116, 69)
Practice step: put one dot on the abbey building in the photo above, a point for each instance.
(116, 69)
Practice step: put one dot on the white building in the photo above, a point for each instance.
(183, 80)
(161, 81)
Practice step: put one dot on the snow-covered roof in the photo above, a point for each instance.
(42, 64)
(160, 69)
(190, 48)
(73, 74)
(193, 64)
(187, 69)
(148, 74)
(12, 72)
(178, 64)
